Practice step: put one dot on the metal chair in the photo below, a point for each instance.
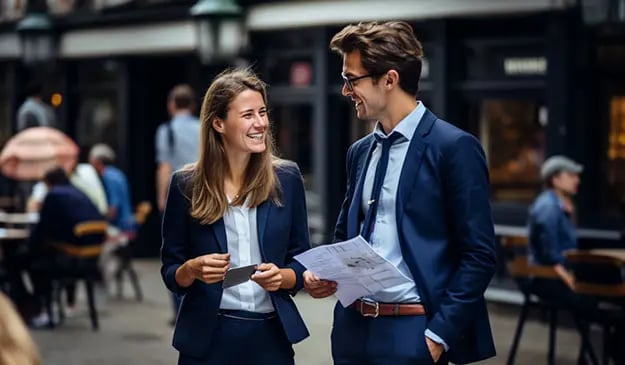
(515, 248)
(602, 278)
(84, 267)
(124, 253)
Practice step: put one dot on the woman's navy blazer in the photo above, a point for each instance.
(282, 234)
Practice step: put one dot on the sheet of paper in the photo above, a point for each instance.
(355, 266)
(238, 275)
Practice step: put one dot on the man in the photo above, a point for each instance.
(178, 141)
(177, 144)
(34, 112)
(63, 208)
(85, 178)
(101, 157)
(551, 224)
(418, 191)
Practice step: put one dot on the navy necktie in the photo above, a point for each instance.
(380, 171)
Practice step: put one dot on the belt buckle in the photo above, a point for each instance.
(370, 303)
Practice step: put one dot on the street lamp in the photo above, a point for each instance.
(35, 31)
(220, 29)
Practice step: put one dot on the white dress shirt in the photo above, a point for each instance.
(244, 249)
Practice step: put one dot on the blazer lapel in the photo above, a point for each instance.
(262, 217)
(412, 163)
(353, 221)
(219, 229)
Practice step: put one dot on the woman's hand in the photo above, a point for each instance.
(209, 268)
(269, 277)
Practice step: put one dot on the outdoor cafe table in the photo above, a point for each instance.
(618, 253)
(18, 218)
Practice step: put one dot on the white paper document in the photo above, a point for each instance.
(358, 270)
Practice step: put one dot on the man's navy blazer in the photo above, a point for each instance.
(282, 234)
(445, 230)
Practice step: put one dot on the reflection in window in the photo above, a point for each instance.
(616, 146)
(97, 122)
(514, 142)
(292, 131)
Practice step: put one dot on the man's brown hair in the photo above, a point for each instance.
(384, 46)
(183, 97)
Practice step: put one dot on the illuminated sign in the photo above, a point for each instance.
(525, 66)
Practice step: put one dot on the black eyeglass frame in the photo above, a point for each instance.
(350, 82)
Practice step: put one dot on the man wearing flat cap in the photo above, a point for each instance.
(552, 228)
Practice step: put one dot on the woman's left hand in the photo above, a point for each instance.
(269, 277)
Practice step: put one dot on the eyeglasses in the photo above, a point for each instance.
(350, 82)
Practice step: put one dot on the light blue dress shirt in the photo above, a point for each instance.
(385, 238)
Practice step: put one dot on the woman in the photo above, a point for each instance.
(238, 205)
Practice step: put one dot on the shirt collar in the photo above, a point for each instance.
(407, 126)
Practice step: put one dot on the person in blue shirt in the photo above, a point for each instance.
(116, 187)
(417, 190)
(552, 226)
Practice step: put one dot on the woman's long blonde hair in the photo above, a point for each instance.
(16, 345)
(206, 188)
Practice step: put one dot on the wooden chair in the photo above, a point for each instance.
(86, 267)
(124, 253)
(602, 278)
(520, 269)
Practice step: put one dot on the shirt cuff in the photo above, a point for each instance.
(434, 337)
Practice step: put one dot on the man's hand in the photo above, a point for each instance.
(207, 268)
(565, 275)
(269, 277)
(316, 287)
(436, 349)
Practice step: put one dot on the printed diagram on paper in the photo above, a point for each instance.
(358, 270)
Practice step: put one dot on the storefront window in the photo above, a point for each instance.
(5, 105)
(616, 147)
(293, 134)
(98, 111)
(514, 141)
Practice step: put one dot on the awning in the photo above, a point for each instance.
(324, 12)
(166, 37)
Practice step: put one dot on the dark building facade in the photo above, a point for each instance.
(529, 79)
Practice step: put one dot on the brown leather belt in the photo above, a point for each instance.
(370, 308)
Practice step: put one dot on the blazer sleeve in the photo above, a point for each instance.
(174, 233)
(340, 230)
(299, 236)
(465, 182)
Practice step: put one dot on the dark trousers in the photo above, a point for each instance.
(246, 342)
(397, 340)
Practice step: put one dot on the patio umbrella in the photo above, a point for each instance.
(31, 152)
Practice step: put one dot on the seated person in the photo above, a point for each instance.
(85, 178)
(63, 208)
(120, 215)
(551, 223)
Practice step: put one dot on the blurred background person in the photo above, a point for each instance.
(120, 214)
(552, 225)
(85, 178)
(177, 144)
(34, 112)
(63, 208)
(16, 345)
